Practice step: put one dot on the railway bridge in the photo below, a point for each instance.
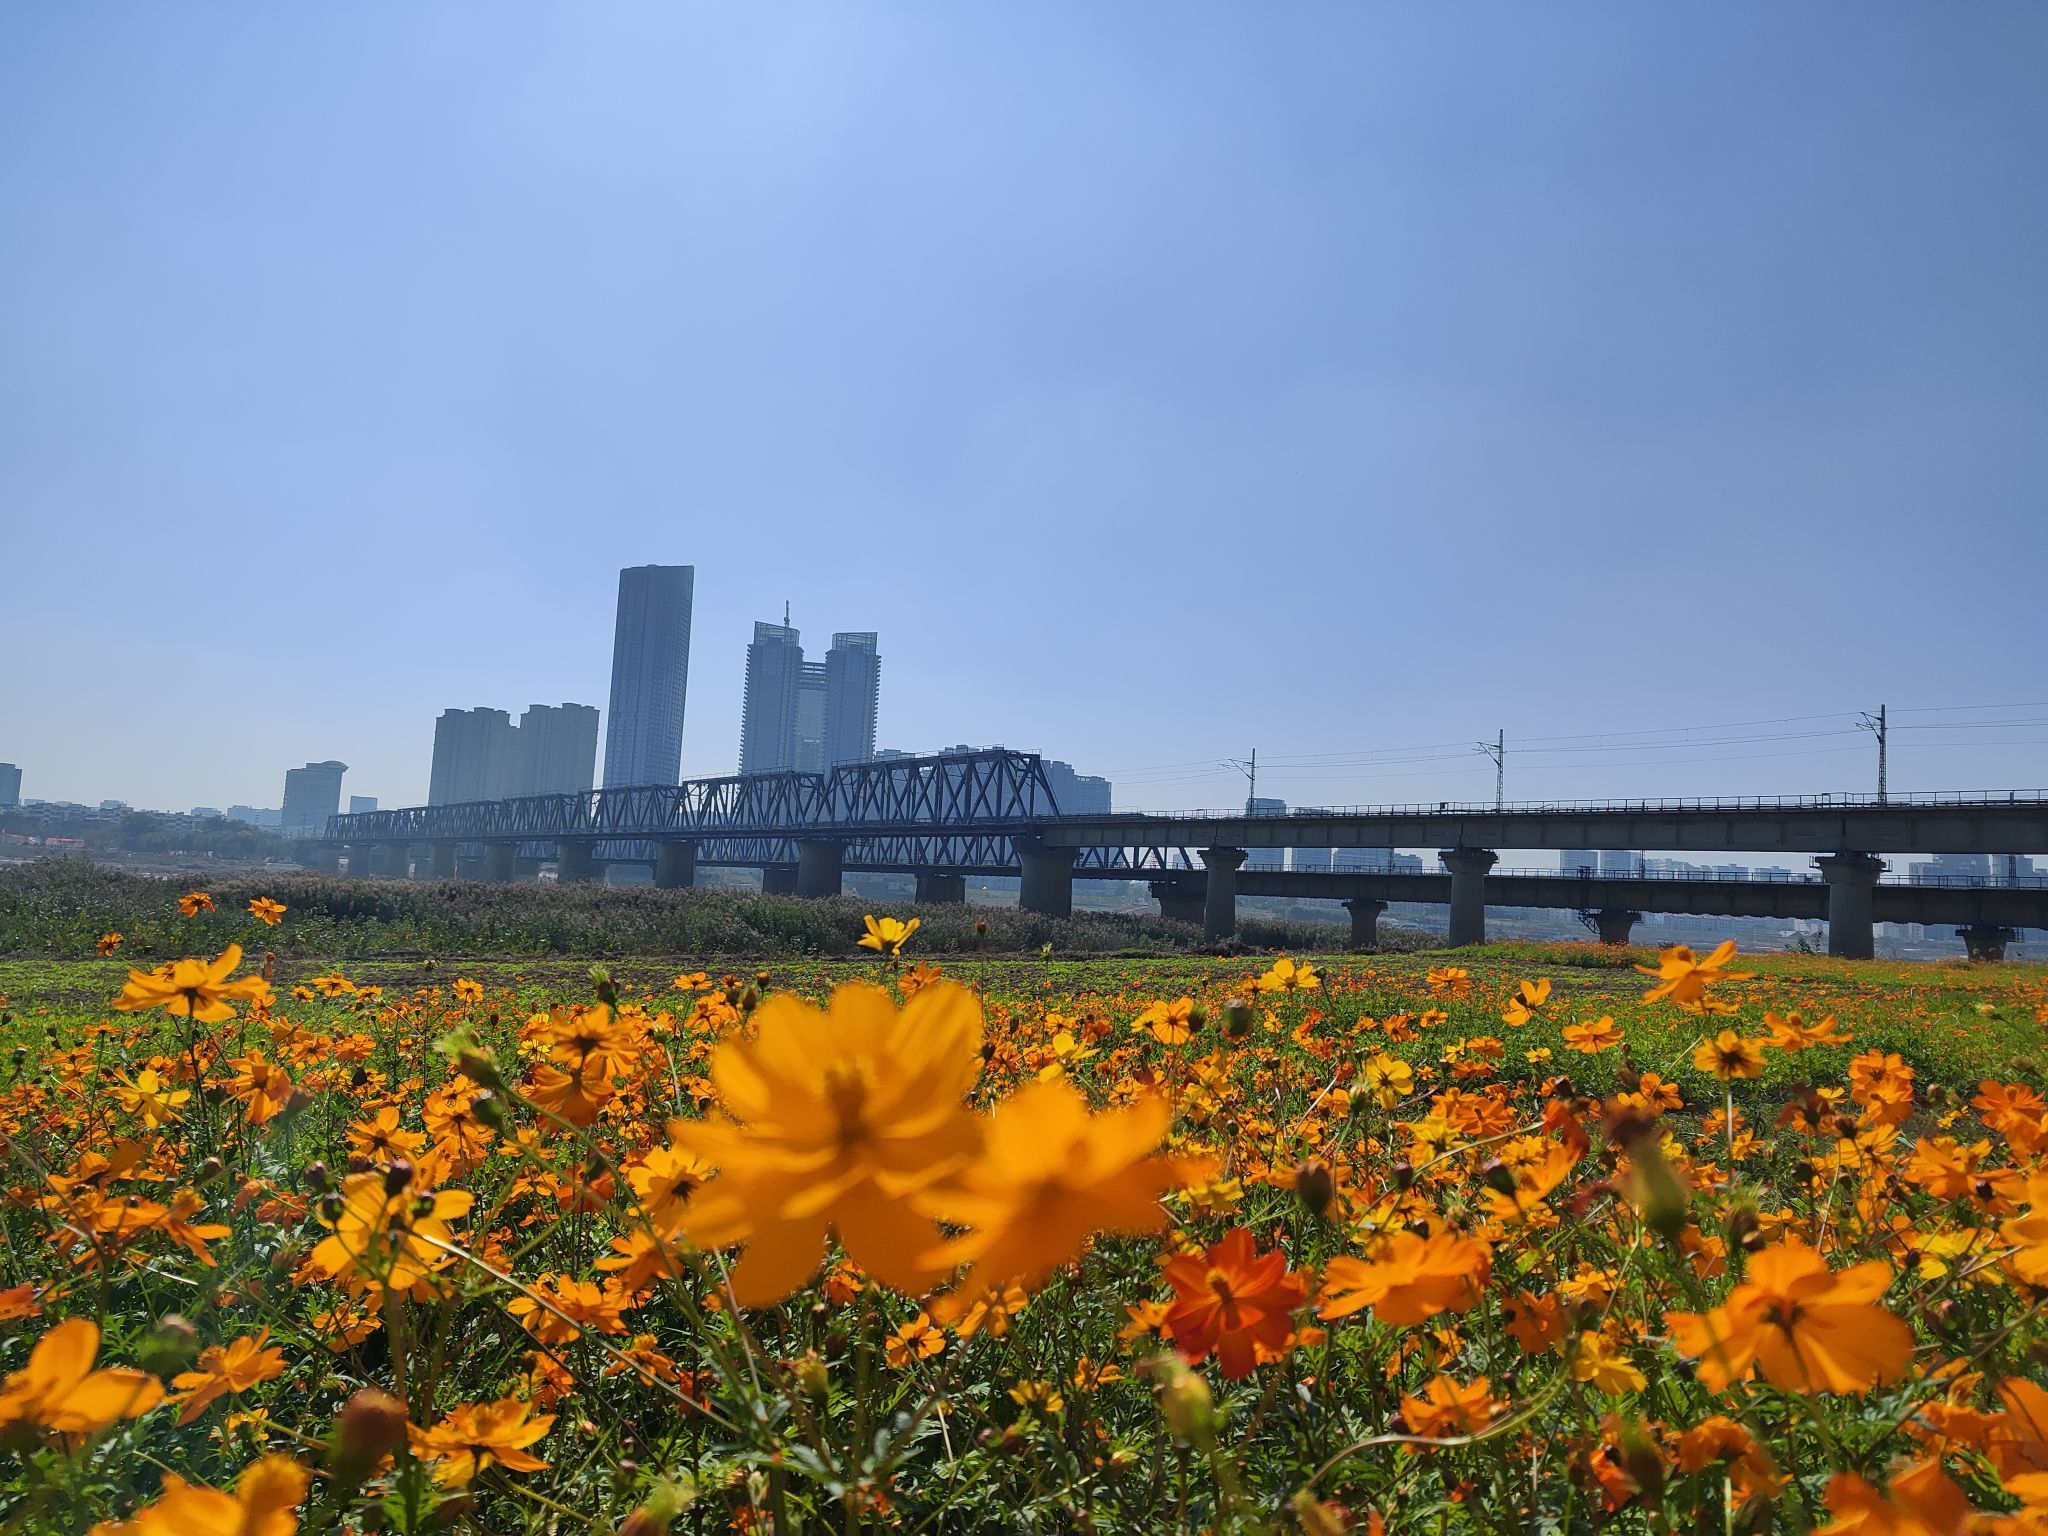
(949, 816)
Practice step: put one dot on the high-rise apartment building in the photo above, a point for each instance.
(311, 795)
(472, 750)
(643, 741)
(768, 706)
(10, 786)
(1076, 794)
(853, 697)
(554, 750)
(808, 715)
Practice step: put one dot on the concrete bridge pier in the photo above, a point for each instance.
(324, 857)
(1047, 883)
(575, 861)
(1182, 898)
(398, 856)
(819, 867)
(1613, 924)
(441, 861)
(778, 880)
(675, 865)
(1219, 899)
(1852, 898)
(941, 890)
(500, 862)
(1468, 867)
(1365, 921)
(1986, 941)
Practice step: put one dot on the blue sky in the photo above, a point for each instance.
(1160, 380)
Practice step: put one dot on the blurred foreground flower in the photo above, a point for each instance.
(59, 1392)
(261, 1505)
(845, 1115)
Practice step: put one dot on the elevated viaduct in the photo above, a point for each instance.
(947, 817)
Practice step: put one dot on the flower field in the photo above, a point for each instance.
(1503, 1240)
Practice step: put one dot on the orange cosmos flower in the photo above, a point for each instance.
(561, 1307)
(1454, 979)
(1447, 1408)
(1810, 1329)
(234, 1368)
(192, 903)
(59, 1392)
(1409, 1280)
(1728, 1056)
(380, 1239)
(918, 1339)
(1529, 997)
(1049, 1176)
(1591, 1039)
(106, 943)
(195, 989)
(847, 1114)
(1233, 1302)
(887, 936)
(1684, 978)
(480, 1435)
(264, 910)
(1920, 1501)
(1792, 1034)
(261, 1505)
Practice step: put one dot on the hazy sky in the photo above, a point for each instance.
(1160, 380)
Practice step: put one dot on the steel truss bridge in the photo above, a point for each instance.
(993, 813)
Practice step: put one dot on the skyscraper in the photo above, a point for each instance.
(853, 693)
(311, 795)
(10, 785)
(808, 715)
(358, 804)
(472, 750)
(650, 675)
(554, 750)
(769, 705)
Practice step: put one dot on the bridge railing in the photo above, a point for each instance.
(1848, 801)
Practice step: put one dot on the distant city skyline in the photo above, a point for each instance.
(1659, 385)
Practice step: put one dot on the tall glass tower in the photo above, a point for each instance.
(643, 741)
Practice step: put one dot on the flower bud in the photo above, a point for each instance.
(397, 1176)
(370, 1426)
(1237, 1018)
(812, 1377)
(1184, 1401)
(1314, 1185)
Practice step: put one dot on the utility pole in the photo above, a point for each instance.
(1497, 749)
(1875, 725)
(1249, 767)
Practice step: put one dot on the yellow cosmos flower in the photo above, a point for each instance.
(844, 1115)
(265, 911)
(888, 935)
(195, 989)
(148, 1094)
